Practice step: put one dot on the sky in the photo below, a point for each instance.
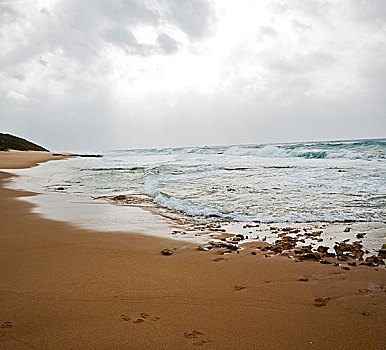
(119, 74)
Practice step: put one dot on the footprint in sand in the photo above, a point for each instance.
(202, 342)
(6, 324)
(125, 317)
(3, 332)
(239, 287)
(196, 337)
(192, 335)
(218, 259)
(141, 319)
(363, 291)
(319, 302)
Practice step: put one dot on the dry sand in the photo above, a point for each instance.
(62, 287)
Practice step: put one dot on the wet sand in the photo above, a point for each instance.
(62, 287)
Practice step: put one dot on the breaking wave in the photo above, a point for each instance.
(150, 188)
(318, 151)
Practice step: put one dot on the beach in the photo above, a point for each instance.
(65, 287)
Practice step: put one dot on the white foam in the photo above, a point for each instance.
(186, 206)
(302, 152)
(150, 186)
(266, 151)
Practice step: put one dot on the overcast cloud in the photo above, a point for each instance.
(117, 74)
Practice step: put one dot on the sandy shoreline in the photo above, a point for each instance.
(63, 287)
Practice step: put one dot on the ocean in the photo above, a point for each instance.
(299, 182)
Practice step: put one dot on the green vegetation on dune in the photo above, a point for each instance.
(8, 142)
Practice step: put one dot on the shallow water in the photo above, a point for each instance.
(268, 183)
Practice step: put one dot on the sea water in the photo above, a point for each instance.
(297, 182)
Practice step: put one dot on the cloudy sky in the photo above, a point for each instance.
(118, 74)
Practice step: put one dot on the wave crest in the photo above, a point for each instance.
(270, 151)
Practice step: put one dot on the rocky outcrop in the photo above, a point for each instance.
(355, 249)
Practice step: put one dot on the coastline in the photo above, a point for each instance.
(65, 287)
